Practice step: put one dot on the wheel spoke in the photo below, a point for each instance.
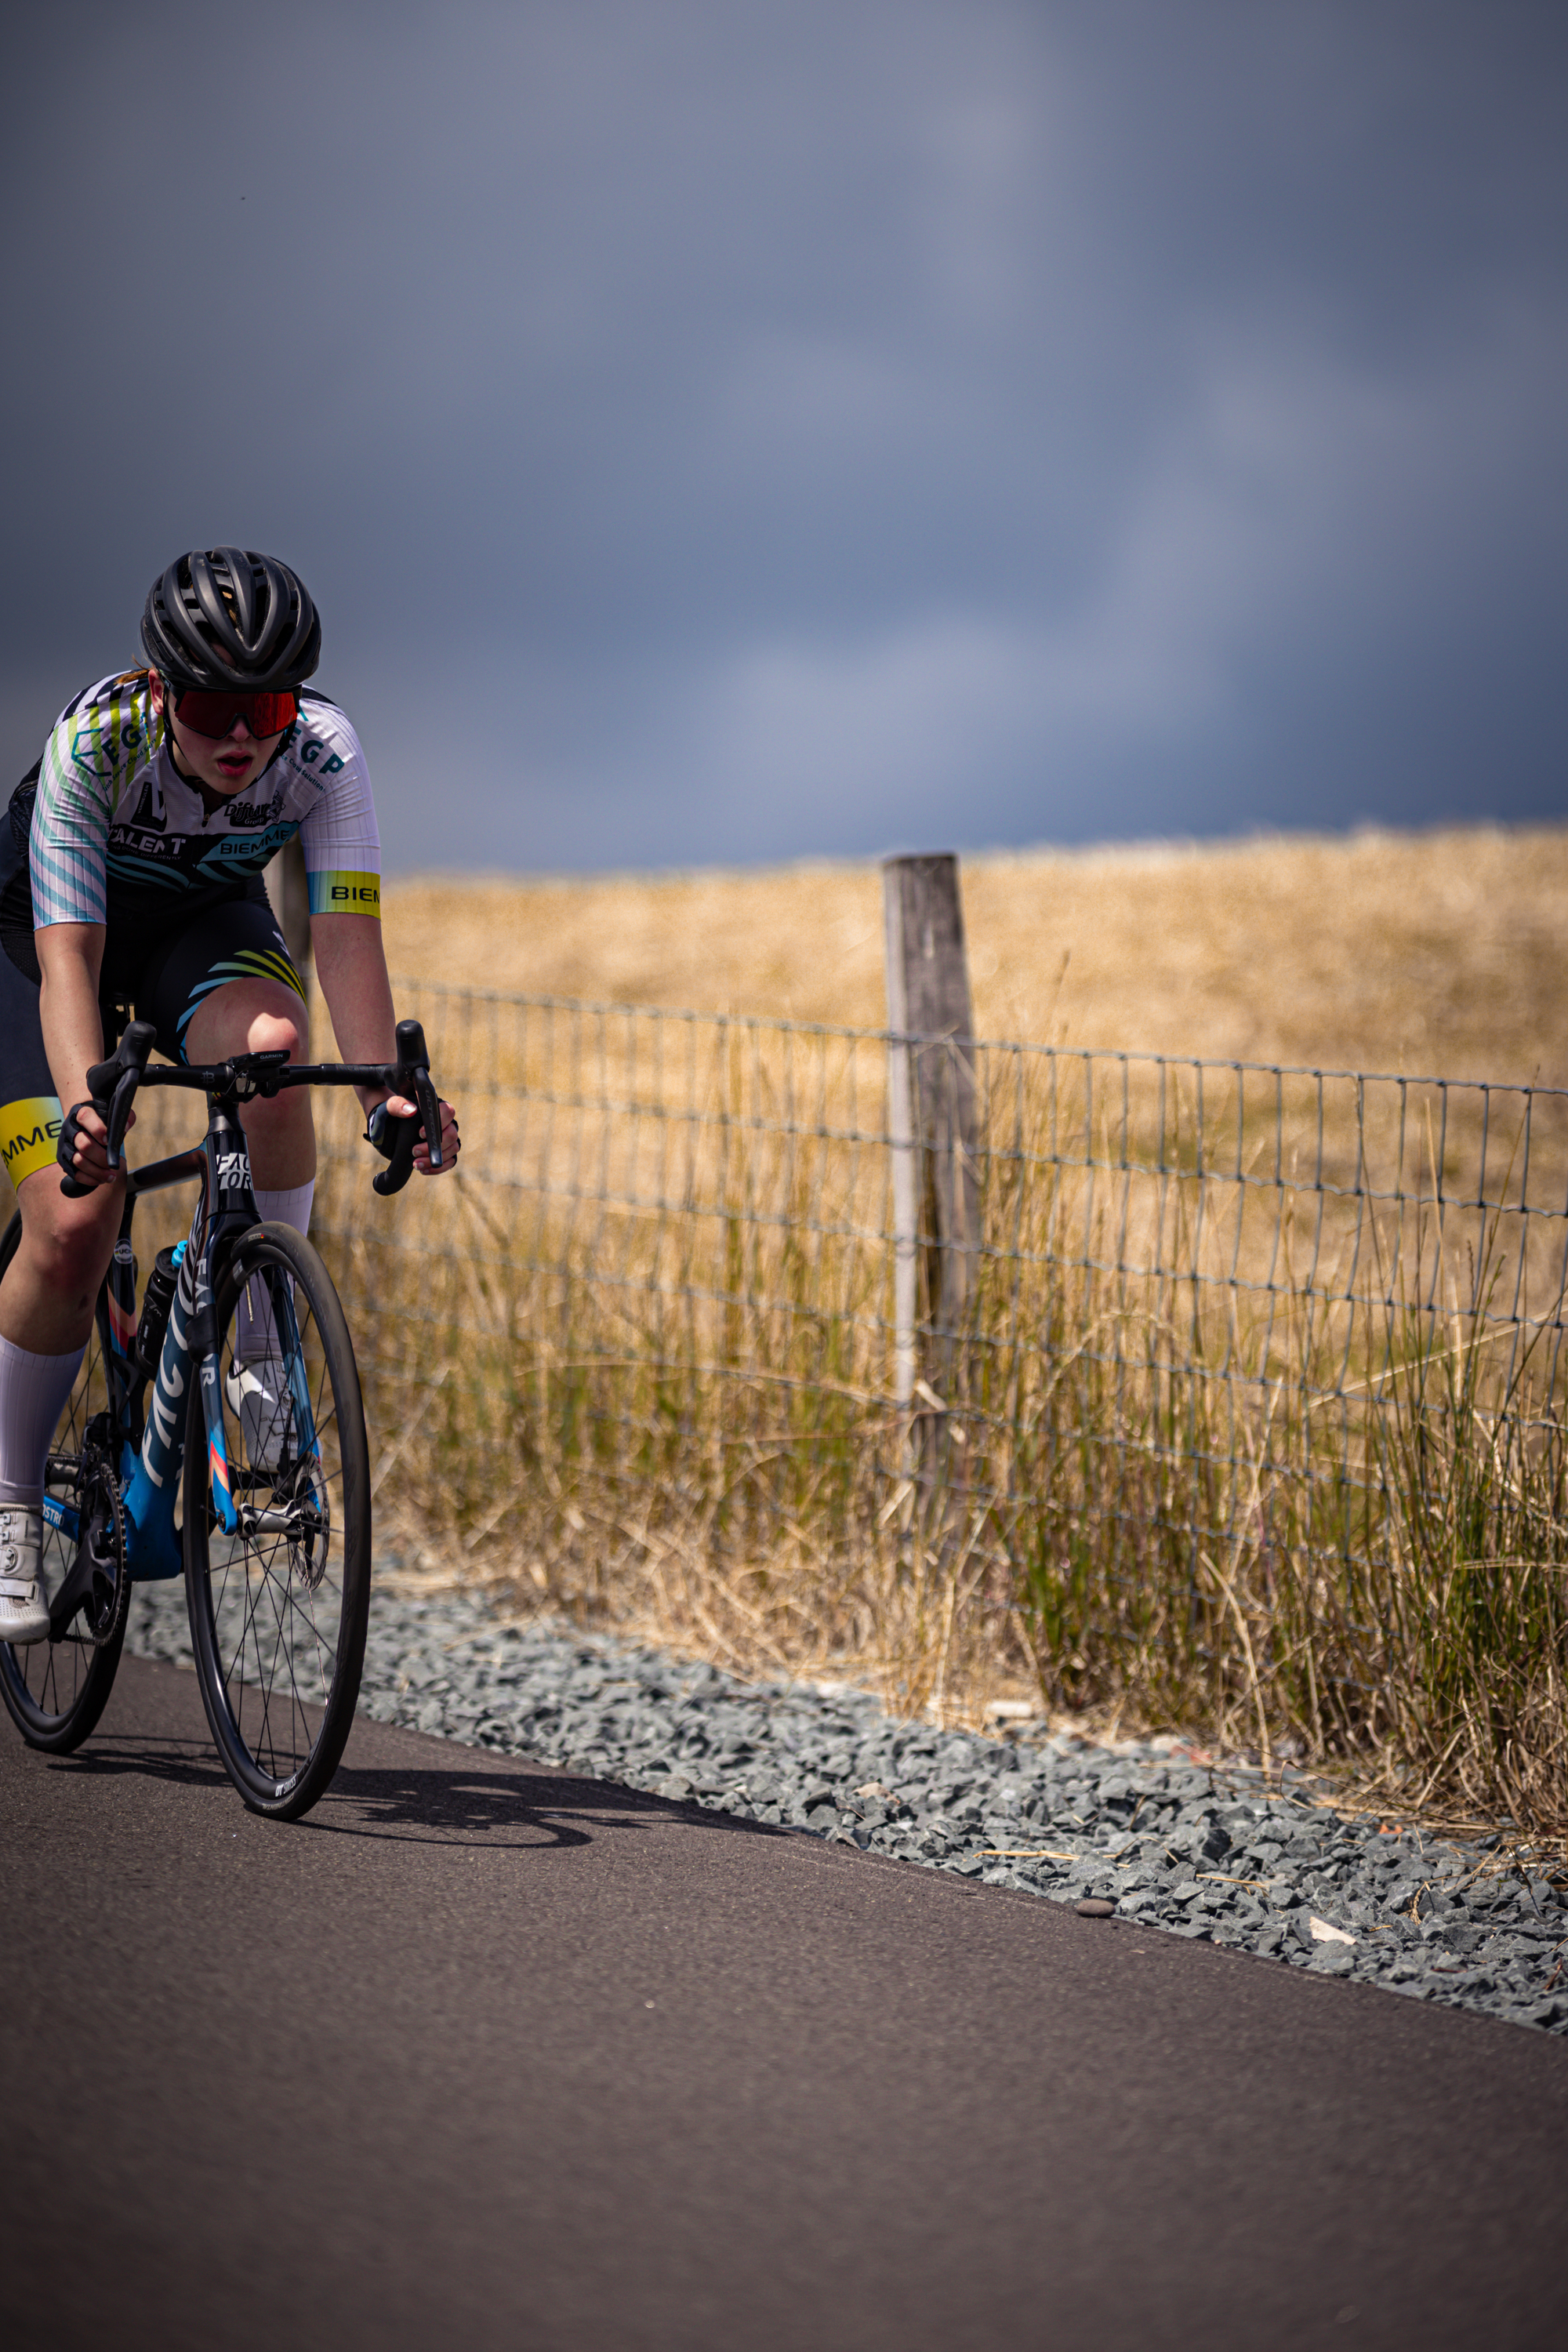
(287, 1603)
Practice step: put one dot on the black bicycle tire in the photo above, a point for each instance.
(57, 1734)
(287, 1800)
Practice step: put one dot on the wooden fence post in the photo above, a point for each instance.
(931, 1119)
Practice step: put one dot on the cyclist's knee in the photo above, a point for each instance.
(68, 1242)
(275, 1032)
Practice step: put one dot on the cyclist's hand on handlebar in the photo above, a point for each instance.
(92, 1133)
(83, 1147)
(400, 1106)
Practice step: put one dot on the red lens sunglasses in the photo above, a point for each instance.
(215, 714)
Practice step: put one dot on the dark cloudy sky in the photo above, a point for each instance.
(721, 430)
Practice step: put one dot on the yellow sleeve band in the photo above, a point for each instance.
(29, 1131)
(345, 894)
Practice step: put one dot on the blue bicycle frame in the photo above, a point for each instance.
(143, 1429)
(147, 1418)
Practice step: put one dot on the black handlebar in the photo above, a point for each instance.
(113, 1083)
(412, 1077)
(131, 1054)
(112, 1086)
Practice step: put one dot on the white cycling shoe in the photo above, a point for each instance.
(259, 1394)
(24, 1604)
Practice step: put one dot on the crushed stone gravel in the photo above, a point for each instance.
(1208, 1853)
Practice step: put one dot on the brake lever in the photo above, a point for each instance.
(119, 1114)
(130, 1056)
(411, 1076)
(112, 1084)
(429, 1115)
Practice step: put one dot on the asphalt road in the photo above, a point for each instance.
(487, 2054)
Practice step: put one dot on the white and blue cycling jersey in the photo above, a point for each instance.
(117, 835)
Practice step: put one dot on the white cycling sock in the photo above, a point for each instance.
(290, 1204)
(33, 1392)
(257, 1335)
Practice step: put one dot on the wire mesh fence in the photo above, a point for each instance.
(1251, 1417)
(1252, 1411)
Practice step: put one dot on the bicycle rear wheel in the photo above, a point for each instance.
(56, 1691)
(278, 1608)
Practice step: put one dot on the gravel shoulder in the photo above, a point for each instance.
(1199, 1852)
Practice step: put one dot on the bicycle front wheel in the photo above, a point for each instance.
(56, 1691)
(278, 1607)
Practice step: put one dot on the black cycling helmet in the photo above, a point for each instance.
(226, 616)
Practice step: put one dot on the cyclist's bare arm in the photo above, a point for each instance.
(70, 957)
(351, 963)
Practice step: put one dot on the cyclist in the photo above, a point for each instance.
(131, 871)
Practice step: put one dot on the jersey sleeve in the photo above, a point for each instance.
(339, 835)
(69, 843)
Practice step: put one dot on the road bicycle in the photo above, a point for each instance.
(236, 1392)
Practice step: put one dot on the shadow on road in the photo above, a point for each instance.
(189, 1764)
(457, 1800)
(460, 1804)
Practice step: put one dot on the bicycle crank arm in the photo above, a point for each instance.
(85, 1582)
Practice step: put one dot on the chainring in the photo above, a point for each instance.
(95, 1593)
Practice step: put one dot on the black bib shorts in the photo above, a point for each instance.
(162, 971)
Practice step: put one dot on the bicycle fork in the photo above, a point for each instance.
(190, 1350)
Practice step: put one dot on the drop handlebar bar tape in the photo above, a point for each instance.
(112, 1086)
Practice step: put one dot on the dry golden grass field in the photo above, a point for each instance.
(1433, 954)
(1439, 952)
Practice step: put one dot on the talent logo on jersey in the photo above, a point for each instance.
(345, 894)
(156, 846)
(29, 1130)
